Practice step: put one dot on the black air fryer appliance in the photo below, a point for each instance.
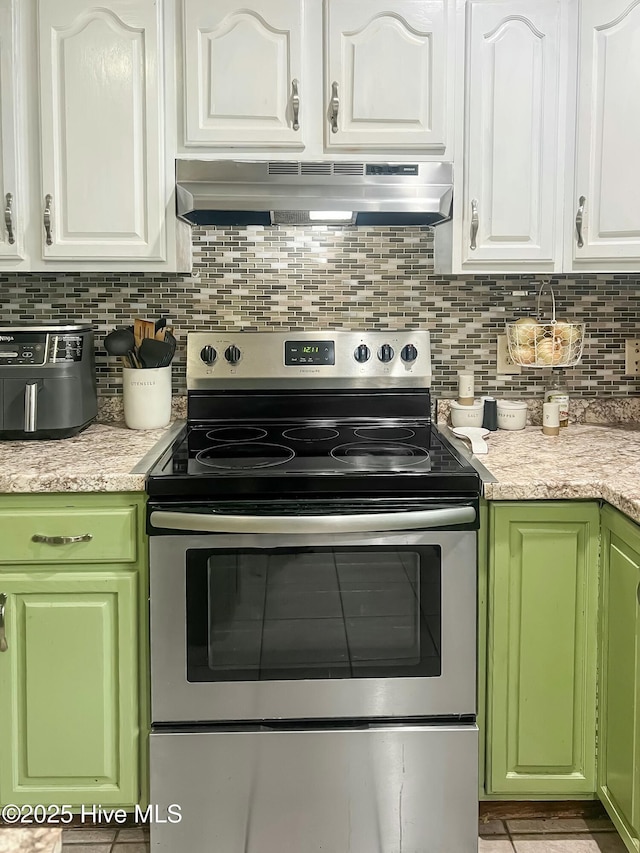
(47, 381)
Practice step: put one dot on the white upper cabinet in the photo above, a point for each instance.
(386, 73)
(511, 186)
(318, 75)
(12, 202)
(607, 176)
(101, 142)
(243, 73)
(88, 137)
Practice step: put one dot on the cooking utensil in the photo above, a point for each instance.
(143, 329)
(169, 338)
(476, 436)
(155, 353)
(121, 342)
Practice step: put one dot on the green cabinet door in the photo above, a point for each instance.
(619, 752)
(541, 650)
(68, 688)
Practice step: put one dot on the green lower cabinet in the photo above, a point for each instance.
(542, 649)
(619, 734)
(69, 689)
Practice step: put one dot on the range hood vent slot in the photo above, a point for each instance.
(283, 167)
(348, 168)
(290, 167)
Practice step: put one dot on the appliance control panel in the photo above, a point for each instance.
(27, 348)
(324, 359)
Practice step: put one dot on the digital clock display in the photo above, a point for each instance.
(299, 353)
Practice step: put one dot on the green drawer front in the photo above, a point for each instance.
(112, 531)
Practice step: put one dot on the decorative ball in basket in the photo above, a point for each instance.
(545, 342)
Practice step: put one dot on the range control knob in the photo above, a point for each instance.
(232, 354)
(362, 354)
(385, 353)
(409, 353)
(208, 355)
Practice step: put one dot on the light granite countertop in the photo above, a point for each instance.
(586, 461)
(583, 462)
(106, 457)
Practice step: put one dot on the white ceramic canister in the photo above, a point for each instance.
(147, 397)
(551, 418)
(465, 389)
(512, 414)
(467, 416)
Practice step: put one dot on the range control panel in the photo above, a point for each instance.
(28, 348)
(325, 359)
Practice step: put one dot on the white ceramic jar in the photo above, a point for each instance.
(467, 416)
(147, 397)
(512, 414)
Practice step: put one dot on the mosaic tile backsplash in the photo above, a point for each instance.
(323, 278)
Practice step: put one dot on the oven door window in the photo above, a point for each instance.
(309, 614)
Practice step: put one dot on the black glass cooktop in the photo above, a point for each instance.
(313, 456)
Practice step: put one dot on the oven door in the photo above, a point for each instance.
(377, 624)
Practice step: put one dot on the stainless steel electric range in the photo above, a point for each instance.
(313, 603)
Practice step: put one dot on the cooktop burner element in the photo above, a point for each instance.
(310, 433)
(388, 433)
(244, 456)
(307, 416)
(235, 434)
(401, 454)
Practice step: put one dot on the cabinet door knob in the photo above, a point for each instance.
(334, 107)
(295, 104)
(47, 219)
(3, 636)
(61, 540)
(475, 222)
(579, 218)
(8, 217)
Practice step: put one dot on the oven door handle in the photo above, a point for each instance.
(367, 523)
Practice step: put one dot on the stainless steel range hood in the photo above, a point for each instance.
(232, 192)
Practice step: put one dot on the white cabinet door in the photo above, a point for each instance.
(512, 189)
(386, 74)
(12, 201)
(102, 169)
(608, 137)
(243, 81)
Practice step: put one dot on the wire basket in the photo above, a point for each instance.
(540, 342)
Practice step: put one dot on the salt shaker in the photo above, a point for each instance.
(490, 415)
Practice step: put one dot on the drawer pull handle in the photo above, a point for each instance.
(61, 540)
(3, 636)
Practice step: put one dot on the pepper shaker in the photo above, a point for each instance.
(490, 414)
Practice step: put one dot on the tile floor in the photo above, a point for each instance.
(541, 835)
(551, 835)
(89, 840)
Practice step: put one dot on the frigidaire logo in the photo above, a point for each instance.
(7, 338)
